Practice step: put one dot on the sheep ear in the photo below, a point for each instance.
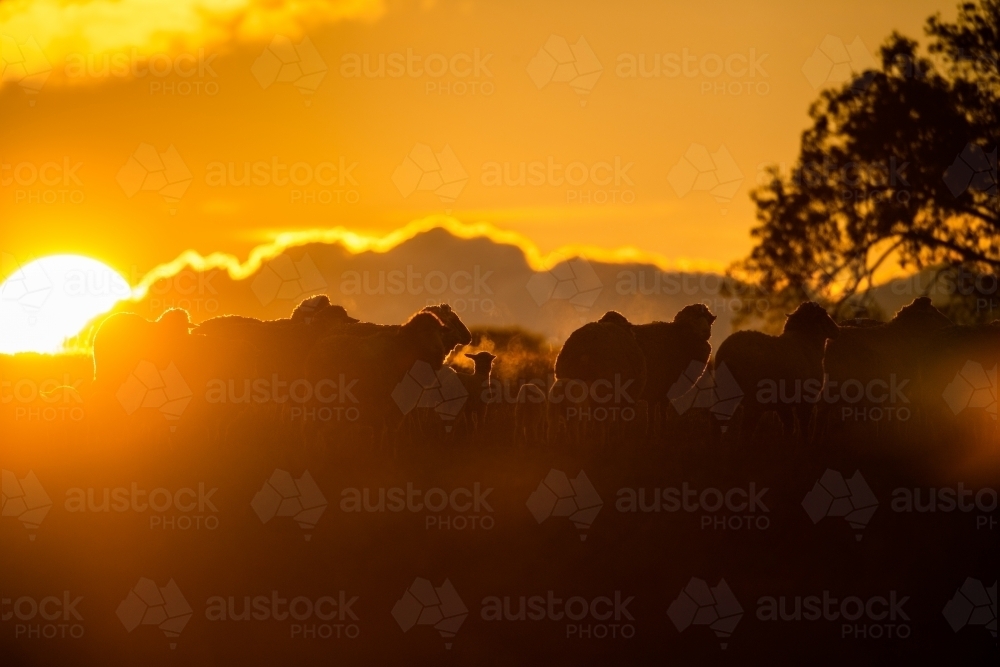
(470, 356)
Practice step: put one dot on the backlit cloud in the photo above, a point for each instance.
(64, 27)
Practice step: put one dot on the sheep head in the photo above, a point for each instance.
(309, 308)
(920, 315)
(812, 318)
(698, 318)
(483, 361)
(614, 317)
(423, 339)
(175, 322)
(336, 315)
(458, 334)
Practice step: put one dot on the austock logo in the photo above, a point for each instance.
(467, 291)
(973, 604)
(585, 183)
(149, 604)
(973, 387)
(51, 182)
(27, 283)
(734, 509)
(559, 496)
(557, 61)
(284, 62)
(437, 606)
(287, 279)
(734, 74)
(24, 63)
(461, 508)
(424, 170)
(49, 400)
(973, 169)
(323, 400)
(949, 499)
(469, 73)
(159, 66)
(701, 604)
(860, 617)
(584, 618)
(284, 496)
(719, 293)
(148, 170)
(886, 398)
(325, 182)
(441, 391)
(50, 617)
(573, 280)
(833, 496)
(311, 618)
(24, 499)
(187, 289)
(185, 508)
(860, 181)
(702, 171)
(701, 387)
(150, 388)
(833, 62)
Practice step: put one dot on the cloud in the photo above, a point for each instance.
(63, 27)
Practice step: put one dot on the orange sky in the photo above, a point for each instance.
(610, 160)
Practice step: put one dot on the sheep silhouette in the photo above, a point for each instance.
(653, 355)
(892, 353)
(477, 385)
(605, 353)
(603, 350)
(669, 349)
(758, 360)
(457, 334)
(126, 340)
(281, 345)
(379, 361)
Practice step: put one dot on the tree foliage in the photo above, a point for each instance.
(899, 166)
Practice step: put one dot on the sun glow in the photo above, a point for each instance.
(48, 300)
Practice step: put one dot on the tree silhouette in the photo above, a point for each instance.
(899, 165)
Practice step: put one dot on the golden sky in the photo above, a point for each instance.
(129, 126)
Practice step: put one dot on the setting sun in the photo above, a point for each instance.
(46, 301)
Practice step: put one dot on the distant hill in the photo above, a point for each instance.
(488, 283)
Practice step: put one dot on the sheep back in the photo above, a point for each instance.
(601, 351)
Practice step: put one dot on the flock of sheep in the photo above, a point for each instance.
(610, 375)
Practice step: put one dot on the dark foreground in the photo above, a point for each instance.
(162, 573)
